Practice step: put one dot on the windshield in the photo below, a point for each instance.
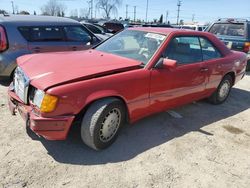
(137, 45)
(230, 29)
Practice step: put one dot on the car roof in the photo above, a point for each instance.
(36, 20)
(232, 20)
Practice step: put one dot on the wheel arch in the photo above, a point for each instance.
(93, 98)
(232, 74)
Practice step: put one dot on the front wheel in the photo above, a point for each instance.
(102, 122)
(223, 91)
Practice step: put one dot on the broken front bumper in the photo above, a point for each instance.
(55, 128)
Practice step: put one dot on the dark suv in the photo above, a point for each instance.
(21, 35)
(235, 33)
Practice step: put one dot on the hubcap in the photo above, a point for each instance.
(224, 90)
(110, 125)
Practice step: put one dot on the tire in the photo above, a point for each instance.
(222, 92)
(102, 122)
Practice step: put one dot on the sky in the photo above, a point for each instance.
(201, 10)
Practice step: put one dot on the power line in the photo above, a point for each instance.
(178, 11)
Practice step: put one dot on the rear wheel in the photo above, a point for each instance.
(223, 91)
(102, 122)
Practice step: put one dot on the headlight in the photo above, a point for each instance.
(38, 97)
(46, 103)
(21, 84)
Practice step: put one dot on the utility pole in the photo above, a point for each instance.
(134, 13)
(126, 11)
(147, 12)
(92, 9)
(13, 9)
(178, 11)
(193, 15)
(166, 16)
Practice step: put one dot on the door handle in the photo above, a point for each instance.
(204, 69)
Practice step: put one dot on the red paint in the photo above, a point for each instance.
(79, 78)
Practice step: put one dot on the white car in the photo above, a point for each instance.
(97, 30)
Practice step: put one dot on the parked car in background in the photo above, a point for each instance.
(157, 25)
(114, 27)
(235, 33)
(99, 31)
(136, 73)
(27, 34)
(193, 27)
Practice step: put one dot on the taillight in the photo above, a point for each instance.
(3, 40)
(246, 47)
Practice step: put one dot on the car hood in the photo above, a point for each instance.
(51, 69)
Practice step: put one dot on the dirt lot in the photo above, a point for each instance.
(208, 147)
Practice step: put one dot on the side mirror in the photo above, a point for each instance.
(169, 63)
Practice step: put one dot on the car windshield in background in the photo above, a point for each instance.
(137, 45)
(231, 29)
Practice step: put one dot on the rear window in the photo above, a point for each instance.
(42, 34)
(231, 29)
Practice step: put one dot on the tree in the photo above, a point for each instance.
(74, 13)
(3, 11)
(108, 6)
(84, 13)
(181, 22)
(161, 19)
(53, 8)
(24, 12)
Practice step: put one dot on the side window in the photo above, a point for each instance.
(93, 29)
(208, 50)
(25, 32)
(77, 34)
(45, 34)
(184, 50)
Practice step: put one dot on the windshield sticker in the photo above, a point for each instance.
(155, 36)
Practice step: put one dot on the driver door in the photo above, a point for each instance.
(183, 84)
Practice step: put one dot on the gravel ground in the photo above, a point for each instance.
(205, 146)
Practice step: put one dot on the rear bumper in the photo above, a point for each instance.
(55, 128)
